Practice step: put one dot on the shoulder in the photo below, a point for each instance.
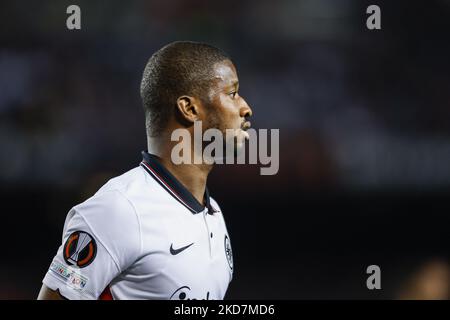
(109, 207)
(110, 213)
(120, 196)
(125, 184)
(137, 186)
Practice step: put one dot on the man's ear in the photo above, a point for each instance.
(188, 108)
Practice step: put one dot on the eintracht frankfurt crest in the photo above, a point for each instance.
(228, 252)
(80, 249)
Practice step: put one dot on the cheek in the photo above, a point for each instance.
(223, 114)
(230, 112)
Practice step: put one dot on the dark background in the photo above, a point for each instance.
(364, 119)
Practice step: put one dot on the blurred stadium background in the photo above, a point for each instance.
(364, 119)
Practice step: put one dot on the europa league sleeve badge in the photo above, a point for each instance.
(80, 249)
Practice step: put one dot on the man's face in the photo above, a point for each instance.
(226, 108)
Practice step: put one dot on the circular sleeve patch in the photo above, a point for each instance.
(80, 249)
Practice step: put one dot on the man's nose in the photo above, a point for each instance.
(245, 110)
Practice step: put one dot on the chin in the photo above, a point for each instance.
(235, 144)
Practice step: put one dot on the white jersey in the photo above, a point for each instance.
(143, 236)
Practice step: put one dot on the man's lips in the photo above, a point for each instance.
(246, 125)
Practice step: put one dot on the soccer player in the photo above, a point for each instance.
(154, 232)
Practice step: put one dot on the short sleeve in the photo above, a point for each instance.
(101, 238)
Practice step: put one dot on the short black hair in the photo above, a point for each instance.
(179, 68)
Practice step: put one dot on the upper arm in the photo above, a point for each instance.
(101, 238)
(48, 294)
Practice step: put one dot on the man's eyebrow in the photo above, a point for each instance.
(233, 86)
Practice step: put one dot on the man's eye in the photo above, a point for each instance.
(233, 94)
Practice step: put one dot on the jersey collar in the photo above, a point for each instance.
(154, 167)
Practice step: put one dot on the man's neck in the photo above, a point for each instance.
(192, 176)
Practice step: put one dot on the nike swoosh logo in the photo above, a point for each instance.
(177, 251)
